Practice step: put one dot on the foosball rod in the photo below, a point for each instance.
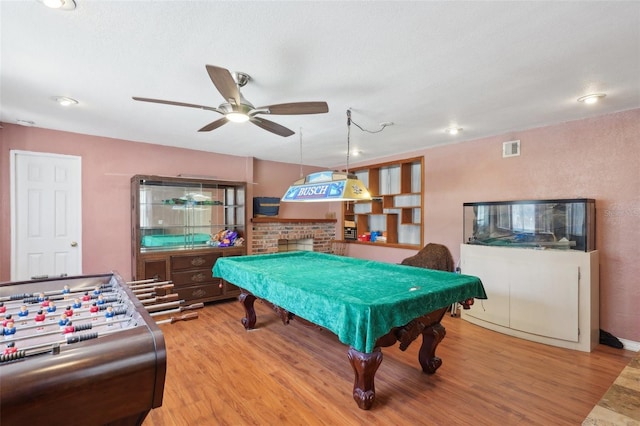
(160, 299)
(52, 321)
(82, 327)
(148, 280)
(177, 310)
(163, 306)
(153, 284)
(185, 317)
(15, 308)
(53, 347)
(21, 296)
(154, 288)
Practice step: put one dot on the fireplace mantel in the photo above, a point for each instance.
(275, 219)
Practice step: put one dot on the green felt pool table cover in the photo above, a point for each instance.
(359, 300)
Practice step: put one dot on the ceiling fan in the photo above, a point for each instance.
(237, 109)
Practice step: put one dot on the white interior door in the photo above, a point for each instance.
(46, 215)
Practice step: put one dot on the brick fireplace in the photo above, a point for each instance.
(267, 231)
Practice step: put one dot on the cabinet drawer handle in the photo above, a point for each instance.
(198, 261)
(198, 278)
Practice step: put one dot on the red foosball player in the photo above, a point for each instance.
(69, 328)
(7, 319)
(39, 318)
(86, 298)
(10, 349)
(93, 311)
(68, 312)
(45, 303)
(3, 308)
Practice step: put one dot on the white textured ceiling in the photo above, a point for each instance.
(488, 67)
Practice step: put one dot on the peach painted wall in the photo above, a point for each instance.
(595, 158)
(107, 167)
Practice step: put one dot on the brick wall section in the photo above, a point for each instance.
(266, 235)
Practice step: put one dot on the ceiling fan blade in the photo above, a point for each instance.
(160, 101)
(225, 84)
(298, 108)
(214, 124)
(272, 127)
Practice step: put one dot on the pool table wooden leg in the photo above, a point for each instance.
(364, 366)
(247, 299)
(431, 337)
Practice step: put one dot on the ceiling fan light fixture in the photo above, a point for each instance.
(237, 117)
(453, 130)
(591, 98)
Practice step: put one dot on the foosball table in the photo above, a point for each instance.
(78, 350)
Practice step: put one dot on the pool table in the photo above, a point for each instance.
(367, 304)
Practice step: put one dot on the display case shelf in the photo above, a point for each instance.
(177, 226)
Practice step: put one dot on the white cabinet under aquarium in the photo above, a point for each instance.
(538, 263)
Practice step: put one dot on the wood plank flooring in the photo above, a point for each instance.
(220, 374)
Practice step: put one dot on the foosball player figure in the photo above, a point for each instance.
(23, 313)
(9, 330)
(65, 292)
(86, 298)
(63, 321)
(109, 314)
(94, 310)
(46, 302)
(76, 304)
(39, 318)
(97, 291)
(68, 312)
(52, 307)
(69, 328)
(100, 300)
(7, 319)
(3, 308)
(10, 349)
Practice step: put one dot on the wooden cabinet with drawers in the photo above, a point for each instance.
(172, 222)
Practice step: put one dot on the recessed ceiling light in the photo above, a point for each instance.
(592, 98)
(64, 101)
(25, 123)
(60, 4)
(453, 130)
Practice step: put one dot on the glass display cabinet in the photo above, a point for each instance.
(542, 224)
(180, 226)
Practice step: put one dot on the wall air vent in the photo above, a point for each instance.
(510, 149)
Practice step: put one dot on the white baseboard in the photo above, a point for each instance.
(630, 345)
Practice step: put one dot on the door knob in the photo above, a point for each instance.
(74, 244)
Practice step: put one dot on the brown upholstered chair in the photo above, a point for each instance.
(432, 256)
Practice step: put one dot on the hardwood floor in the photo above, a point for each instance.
(220, 374)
